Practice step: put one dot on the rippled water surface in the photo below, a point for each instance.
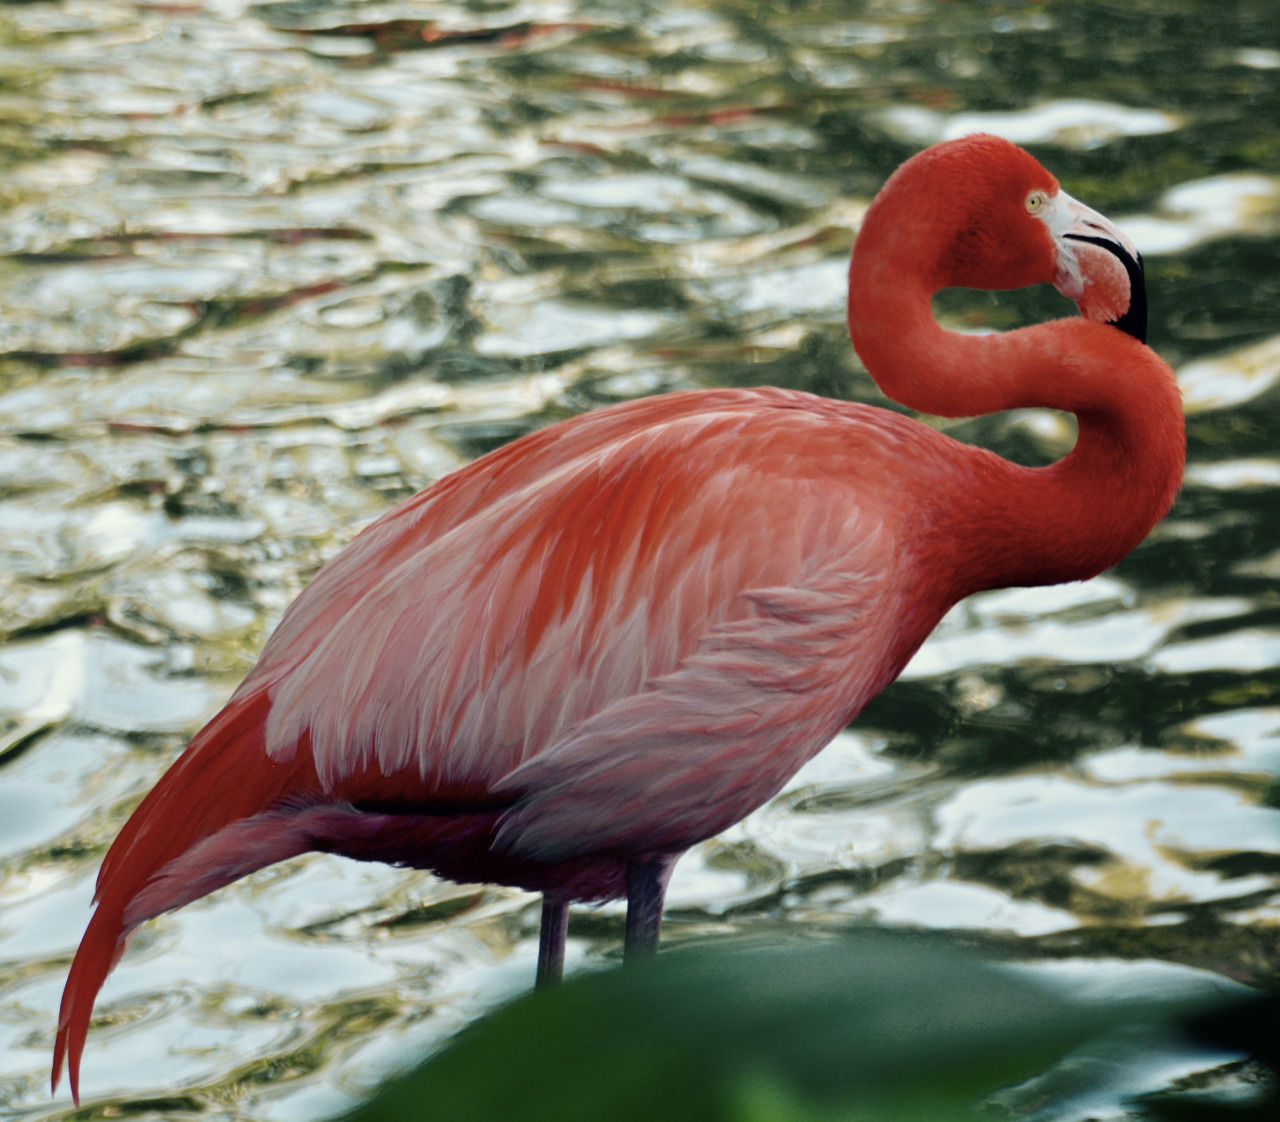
(269, 268)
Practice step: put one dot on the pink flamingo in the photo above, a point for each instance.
(565, 664)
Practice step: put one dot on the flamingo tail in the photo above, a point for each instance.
(215, 816)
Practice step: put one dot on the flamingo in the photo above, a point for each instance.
(565, 664)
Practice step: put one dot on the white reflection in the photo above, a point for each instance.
(1206, 209)
(40, 680)
(1258, 58)
(554, 325)
(1234, 475)
(952, 905)
(1005, 627)
(1230, 379)
(1145, 827)
(1076, 124)
(1254, 649)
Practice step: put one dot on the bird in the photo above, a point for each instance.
(566, 663)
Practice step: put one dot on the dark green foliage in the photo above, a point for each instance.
(879, 1027)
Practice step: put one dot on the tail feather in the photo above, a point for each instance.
(100, 950)
(222, 780)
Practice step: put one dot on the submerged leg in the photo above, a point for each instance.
(646, 890)
(551, 936)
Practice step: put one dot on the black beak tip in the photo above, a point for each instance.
(1134, 320)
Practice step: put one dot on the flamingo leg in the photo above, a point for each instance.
(646, 890)
(551, 938)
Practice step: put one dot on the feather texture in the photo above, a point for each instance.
(566, 663)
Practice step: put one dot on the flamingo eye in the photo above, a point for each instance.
(1036, 202)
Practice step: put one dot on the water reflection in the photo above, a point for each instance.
(270, 267)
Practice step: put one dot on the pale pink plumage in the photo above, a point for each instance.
(607, 641)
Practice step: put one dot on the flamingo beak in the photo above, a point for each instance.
(1099, 267)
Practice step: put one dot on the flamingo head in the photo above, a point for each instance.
(1007, 224)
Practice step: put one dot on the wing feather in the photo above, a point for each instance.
(716, 737)
(511, 622)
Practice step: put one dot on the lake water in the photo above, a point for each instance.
(268, 268)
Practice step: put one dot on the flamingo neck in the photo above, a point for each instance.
(1016, 525)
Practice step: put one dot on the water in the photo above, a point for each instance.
(269, 268)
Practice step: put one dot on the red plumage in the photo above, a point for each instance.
(565, 664)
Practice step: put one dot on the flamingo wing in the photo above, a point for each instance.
(705, 546)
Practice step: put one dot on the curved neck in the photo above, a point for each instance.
(1015, 525)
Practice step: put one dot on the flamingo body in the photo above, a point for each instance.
(565, 664)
